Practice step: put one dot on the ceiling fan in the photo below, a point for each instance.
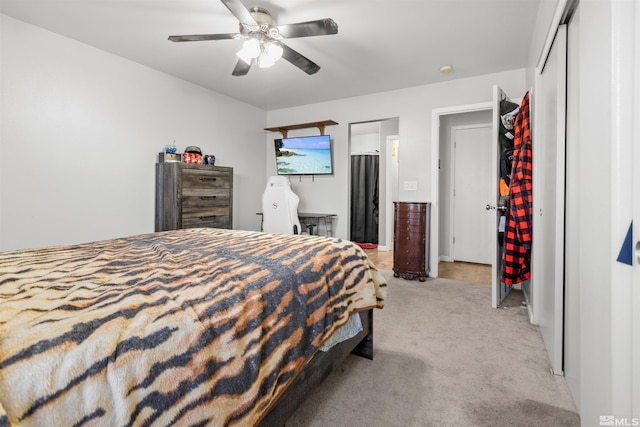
(263, 38)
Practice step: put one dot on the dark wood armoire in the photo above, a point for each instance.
(411, 240)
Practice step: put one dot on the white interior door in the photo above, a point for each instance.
(472, 190)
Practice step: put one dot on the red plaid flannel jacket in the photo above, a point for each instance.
(516, 256)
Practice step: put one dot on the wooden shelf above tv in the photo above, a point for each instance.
(285, 129)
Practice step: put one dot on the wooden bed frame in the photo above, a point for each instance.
(319, 368)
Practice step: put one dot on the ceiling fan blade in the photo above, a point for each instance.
(241, 69)
(201, 37)
(239, 11)
(320, 27)
(305, 64)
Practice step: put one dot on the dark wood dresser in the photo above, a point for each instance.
(190, 196)
(411, 240)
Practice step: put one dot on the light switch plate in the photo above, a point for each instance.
(411, 185)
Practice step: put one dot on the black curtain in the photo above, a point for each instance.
(364, 198)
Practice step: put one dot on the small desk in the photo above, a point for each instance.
(313, 219)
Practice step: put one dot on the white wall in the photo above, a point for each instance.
(367, 143)
(413, 108)
(544, 23)
(80, 133)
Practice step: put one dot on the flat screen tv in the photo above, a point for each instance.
(306, 155)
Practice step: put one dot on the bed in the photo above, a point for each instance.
(187, 327)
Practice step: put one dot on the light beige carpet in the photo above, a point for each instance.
(444, 357)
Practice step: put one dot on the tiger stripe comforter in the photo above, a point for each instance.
(190, 327)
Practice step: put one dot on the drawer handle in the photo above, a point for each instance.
(206, 178)
(207, 197)
(206, 217)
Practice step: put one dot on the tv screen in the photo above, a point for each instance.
(306, 155)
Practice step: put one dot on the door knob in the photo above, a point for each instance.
(491, 207)
(638, 252)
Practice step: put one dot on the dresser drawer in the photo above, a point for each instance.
(213, 217)
(415, 258)
(415, 210)
(204, 179)
(205, 197)
(410, 222)
(407, 231)
(411, 263)
(211, 222)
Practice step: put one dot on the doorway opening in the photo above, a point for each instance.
(373, 181)
(442, 218)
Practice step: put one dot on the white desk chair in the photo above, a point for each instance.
(280, 207)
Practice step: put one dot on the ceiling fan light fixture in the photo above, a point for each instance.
(264, 61)
(266, 52)
(250, 49)
(273, 50)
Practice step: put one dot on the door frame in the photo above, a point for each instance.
(385, 181)
(436, 114)
(390, 159)
(452, 180)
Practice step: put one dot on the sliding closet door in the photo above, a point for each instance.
(548, 146)
(571, 362)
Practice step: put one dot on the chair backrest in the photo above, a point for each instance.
(280, 207)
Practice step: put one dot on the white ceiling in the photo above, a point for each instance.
(380, 45)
